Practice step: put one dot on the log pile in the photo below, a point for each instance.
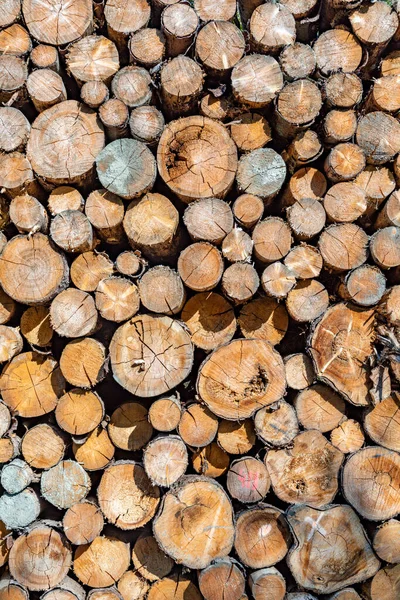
(199, 300)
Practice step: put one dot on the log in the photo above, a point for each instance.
(210, 320)
(198, 505)
(344, 162)
(271, 28)
(114, 115)
(211, 461)
(297, 106)
(364, 286)
(248, 210)
(45, 57)
(92, 58)
(262, 173)
(19, 510)
(236, 438)
(130, 264)
(165, 414)
(105, 212)
(219, 46)
(179, 23)
(223, 579)
(252, 131)
(389, 305)
(288, 469)
(131, 85)
(306, 218)
(165, 460)
(11, 590)
(65, 484)
(14, 129)
(9, 448)
(299, 371)
(132, 587)
(237, 246)
(28, 214)
(345, 202)
(389, 215)
(89, 268)
(256, 79)
(95, 451)
(380, 423)
(146, 124)
(307, 182)
(10, 12)
(13, 76)
(126, 496)
(117, 299)
(297, 61)
(43, 446)
(45, 88)
(343, 246)
(348, 436)
(307, 301)
(343, 90)
(73, 313)
(265, 319)
(181, 85)
(7, 307)
(198, 426)
(277, 280)
(94, 93)
(161, 291)
(123, 18)
(378, 134)
(149, 560)
(384, 247)
(209, 219)
(339, 126)
(79, 412)
(174, 586)
(240, 282)
(129, 428)
(72, 231)
(17, 177)
(64, 198)
(385, 584)
(337, 50)
(386, 542)
(319, 407)
(102, 562)
(83, 522)
(276, 425)
(272, 240)
(200, 266)
(11, 343)
(147, 47)
(5, 419)
(248, 480)
(267, 584)
(304, 261)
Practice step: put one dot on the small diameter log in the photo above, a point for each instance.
(207, 10)
(371, 483)
(105, 212)
(223, 580)
(28, 214)
(82, 522)
(102, 562)
(161, 290)
(147, 47)
(43, 446)
(262, 173)
(146, 124)
(385, 584)
(265, 319)
(219, 46)
(152, 226)
(129, 428)
(319, 407)
(380, 423)
(72, 231)
(306, 218)
(297, 61)
(211, 461)
(16, 476)
(378, 134)
(175, 585)
(123, 18)
(79, 412)
(10, 12)
(271, 28)
(209, 219)
(390, 213)
(236, 438)
(299, 371)
(149, 560)
(304, 261)
(5, 419)
(374, 26)
(198, 511)
(267, 584)
(181, 85)
(7, 307)
(130, 158)
(64, 143)
(277, 280)
(40, 547)
(345, 202)
(45, 57)
(297, 106)
(215, 108)
(131, 85)
(384, 95)
(272, 240)
(389, 306)
(339, 126)
(200, 266)
(133, 587)
(179, 23)
(64, 198)
(65, 484)
(262, 536)
(165, 414)
(390, 64)
(19, 510)
(126, 496)
(14, 129)
(9, 448)
(92, 58)
(276, 425)
(348, 437)
(256, 80)
(89, 268)
(198, 426)
(310, 560)
(385, 248)
(364, 286)
(95, 451)
(130, 263)
(165, 460)
(386, 541)
(248, 480)
(45, 88)
(250, 132)
(307, 182)
(16, 176)
(344, 162)
(340, 345)
(73, 313)
(289, 470)
(114, 115)
(248, 210)
(337, 50)
(117, 299)
(343, 90)
(234, 394)
(32, 383)
(343, 247)
(240, 282)
(202, 142)
(11, 343)
(94, 93)
(13, 76)
(307, 301)
(237, 246)
(11, 590)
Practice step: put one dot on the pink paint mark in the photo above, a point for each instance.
(249, 480)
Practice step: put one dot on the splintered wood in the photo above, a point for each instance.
(199, 299)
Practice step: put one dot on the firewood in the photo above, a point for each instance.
(45, 88)
(265, 319)
(131, 85)
(28, 214)
(306, 218)
(14, 129)
(65, 484)
(319, 407)
(43, 446)
(384, 247)
(236, 438)
(219, 46)
(45, 57)
(297, 61)
(11, 343)
(248, 210)
(307, 182)
(384, 585)
(92, 58)
(211, 461)
(130, 263)
(386, 541)
(102, 562)
(307, 301)
(262, 173)
(240, 282)
(13, 76)
(272, 240)
(339, 126)
(198, 426)
(256, 79)
(364, 286)
(346, 57)
(216, 107)
(105, 212)
(132, 587)
(200, 266)
(146, 124)
(9, 448)
(129, 428)
(304, 261)
(348, 436)
(7, 307)
(11, 590)
(64, 198)
(299, 371)
(117, 299)
(343, 90)
(10, 12)
(147, 47)
(343, 247)
(72, 231)
(165, 460)
(288, 470)
(19, 510)
(179, 23)
(95, 451)
(389, 306)
(161, 291)
(378, 134)
(250, 132)
(114, 115)
(389, 215)
(73, 313)
(267, 584)
(297, 106)
(346, 594)
(209, 11)
(94, 93)
(38, 548)
(16, 176)
(211, 523)
(149, 560)
(276, 424)
(5, 419)
(165, 414)
(124, 17)
(223, 580)
(271, 28)
(380, 423)
(267, 525)
(79, 412)
(174, 587)
(311, 558)
(109, 593)
(83, 522)
(248, 480)
(345, 202)
(88, 269)
(237, 246)
(181, 85)
(209, 220)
